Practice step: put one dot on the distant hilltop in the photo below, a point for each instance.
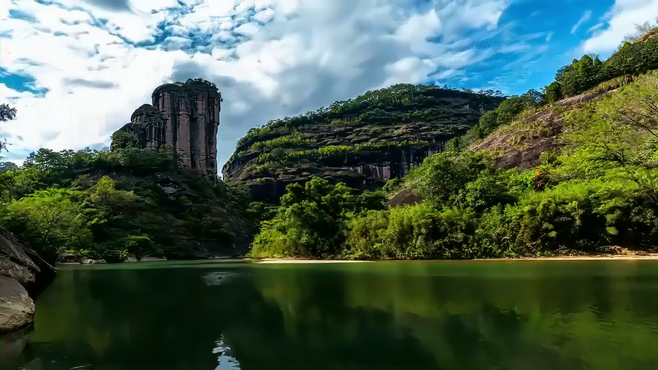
(184, 117)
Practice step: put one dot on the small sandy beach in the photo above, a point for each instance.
(593, 257)
(296, 260)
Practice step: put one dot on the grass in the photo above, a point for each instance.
(612, 84)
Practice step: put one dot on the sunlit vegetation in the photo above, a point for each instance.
(282, 142)
(108, 204)
(337, 150)
(369, 131)
(598, 189)
(373, 105)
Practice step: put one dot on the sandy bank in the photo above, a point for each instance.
(580, 258)
(290, 260)
(598, 257)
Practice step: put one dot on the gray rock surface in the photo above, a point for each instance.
(16, 306)
(23, 274)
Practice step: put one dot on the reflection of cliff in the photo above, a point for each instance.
(185, 117)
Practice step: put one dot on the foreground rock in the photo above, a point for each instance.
(23, 275)
(16, 306)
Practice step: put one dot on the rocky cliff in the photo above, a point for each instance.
(363, 142)
(185, 118)
(22, 274)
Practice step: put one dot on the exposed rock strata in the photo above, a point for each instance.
(185, 118)
(431, 118)
(520, 144)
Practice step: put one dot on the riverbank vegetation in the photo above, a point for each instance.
(597, 187)
(108, 204)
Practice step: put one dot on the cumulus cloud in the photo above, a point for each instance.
(620, 21)
(98, 60)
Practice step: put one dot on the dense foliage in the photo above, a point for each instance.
(632, 58)
(398, 103)
(353, 140)
(108, 204)
(311, 221)
(600, 188)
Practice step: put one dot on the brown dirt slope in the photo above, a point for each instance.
(521, 143)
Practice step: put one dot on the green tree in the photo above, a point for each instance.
(312, 220)
(6, 113)
(553, 92)
(442, 175)
(52, 221)
(582, 74)
(123, 140)
(7, 166)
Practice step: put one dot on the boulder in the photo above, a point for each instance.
(90, 261)
(403, 198)
(23, 275)
(69, 258)
(16, 306)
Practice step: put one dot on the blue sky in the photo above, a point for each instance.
(76, 69)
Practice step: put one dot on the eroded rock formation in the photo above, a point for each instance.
(184, 117)
(375, 137)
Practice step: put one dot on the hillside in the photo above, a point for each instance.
(519, 142)
(362, 142)
(108, 204)
(569, 170)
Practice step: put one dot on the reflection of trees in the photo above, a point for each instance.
(378, 316)
(569, 316)
(326, 332)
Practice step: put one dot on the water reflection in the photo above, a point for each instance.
(217, 278)
(591, 315)
(225, 358)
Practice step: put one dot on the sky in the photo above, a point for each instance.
(76, 69)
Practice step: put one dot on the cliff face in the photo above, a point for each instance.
(184, 117)
(363, 142)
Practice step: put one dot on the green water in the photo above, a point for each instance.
(398, 315)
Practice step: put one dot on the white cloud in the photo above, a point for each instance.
(621, 21)
(310, 53)
(584, 18)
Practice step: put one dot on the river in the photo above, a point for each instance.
(395, 315)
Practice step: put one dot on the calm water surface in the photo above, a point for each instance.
(400, 315)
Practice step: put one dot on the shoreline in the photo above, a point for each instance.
(601, 257)
(592, 257)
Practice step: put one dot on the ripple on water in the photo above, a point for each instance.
(218, 278)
